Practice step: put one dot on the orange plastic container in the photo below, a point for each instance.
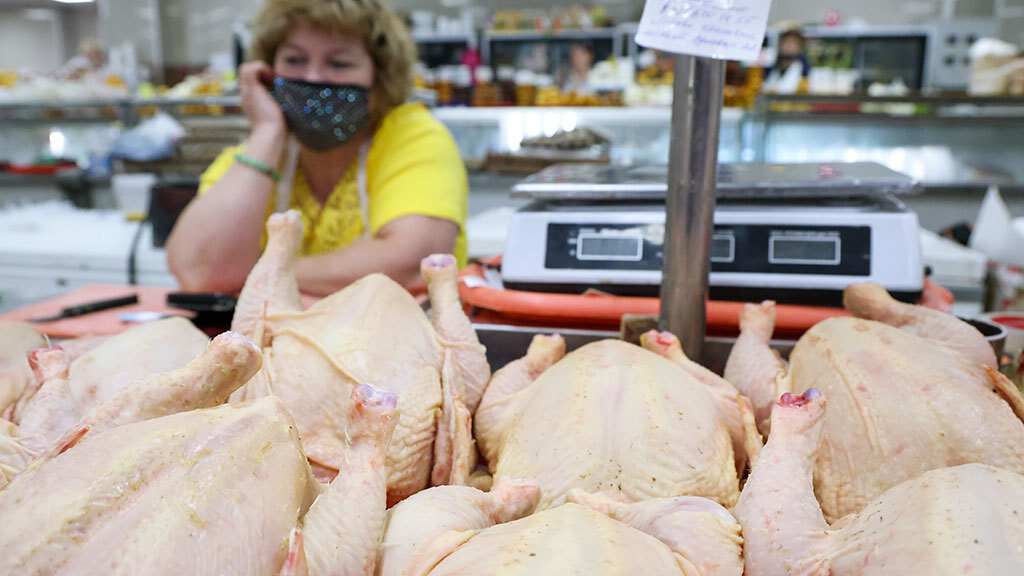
(604, 311)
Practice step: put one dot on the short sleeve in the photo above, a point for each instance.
(414, 167)
(215, 171)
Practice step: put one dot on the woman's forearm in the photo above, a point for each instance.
(216, 240)
(396, 252)
(324, 274)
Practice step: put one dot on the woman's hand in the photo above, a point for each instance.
(259, 106)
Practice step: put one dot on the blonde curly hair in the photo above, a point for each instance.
(386, 36)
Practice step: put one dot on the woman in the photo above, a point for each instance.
(581, 61)
(378, 181)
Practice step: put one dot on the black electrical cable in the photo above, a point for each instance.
(132, 255)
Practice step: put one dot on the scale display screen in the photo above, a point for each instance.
(742, 249)
(804, 250)
(723, 247)
(606, 247)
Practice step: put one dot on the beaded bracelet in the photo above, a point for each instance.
(258, 166)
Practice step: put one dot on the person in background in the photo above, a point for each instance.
(379, 182)
(581, 61)
(791, 52)
(790, 73)
(91, 59)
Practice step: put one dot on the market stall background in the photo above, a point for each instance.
(176, 58)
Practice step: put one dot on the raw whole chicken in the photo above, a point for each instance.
(102, 371)
(16, 340)
(51, 415)
(139, 489)
(371, 332)
(966, 519)
(457, 533)
(938, 368)
(615, 418)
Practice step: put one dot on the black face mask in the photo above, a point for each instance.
(322, 116)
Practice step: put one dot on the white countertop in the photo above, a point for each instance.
(49, 248)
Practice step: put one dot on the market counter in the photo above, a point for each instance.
(152, 302)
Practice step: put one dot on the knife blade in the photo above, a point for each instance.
(89, 307)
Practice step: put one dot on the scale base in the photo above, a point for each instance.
(797, 296)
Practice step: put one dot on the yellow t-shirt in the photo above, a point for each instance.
(413, 167)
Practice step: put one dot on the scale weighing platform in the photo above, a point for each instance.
(797, 233)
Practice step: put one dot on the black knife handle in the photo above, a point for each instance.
(99, 305)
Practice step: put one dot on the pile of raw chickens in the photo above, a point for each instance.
(360, 437)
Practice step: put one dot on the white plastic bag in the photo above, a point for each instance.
(996, 234)
(151, 140)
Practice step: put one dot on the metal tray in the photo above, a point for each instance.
(507, 343)
(590, 181)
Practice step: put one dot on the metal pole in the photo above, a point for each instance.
(690, 204)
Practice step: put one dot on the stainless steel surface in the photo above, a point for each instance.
(592, 181)
(690, 205)
(994, 333)
(811, 179)
(746, 180)
(507, 343)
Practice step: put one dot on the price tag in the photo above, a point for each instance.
(722, 29)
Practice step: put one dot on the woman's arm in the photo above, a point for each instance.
(396, 250)
(216, 240)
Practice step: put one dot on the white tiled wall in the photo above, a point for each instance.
(31, 38)
(189, 31)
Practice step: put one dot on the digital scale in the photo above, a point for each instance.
(795, 233)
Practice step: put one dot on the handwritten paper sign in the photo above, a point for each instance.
(722, 29)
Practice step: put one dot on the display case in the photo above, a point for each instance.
(930, 58)
(956, 146)
(940, 140)
(546, 52)
(439, 49)
(639, 135)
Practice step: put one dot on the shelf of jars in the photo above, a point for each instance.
(945, 140)
(907, 106)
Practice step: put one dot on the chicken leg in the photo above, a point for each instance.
(271, 287)
(873, 302)
(784, 530)
(50, 411)
(140, 351)
(454, 453)
(454, 329)
(228, 362)
(544, 352)
(343, 528)
(753, 366)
